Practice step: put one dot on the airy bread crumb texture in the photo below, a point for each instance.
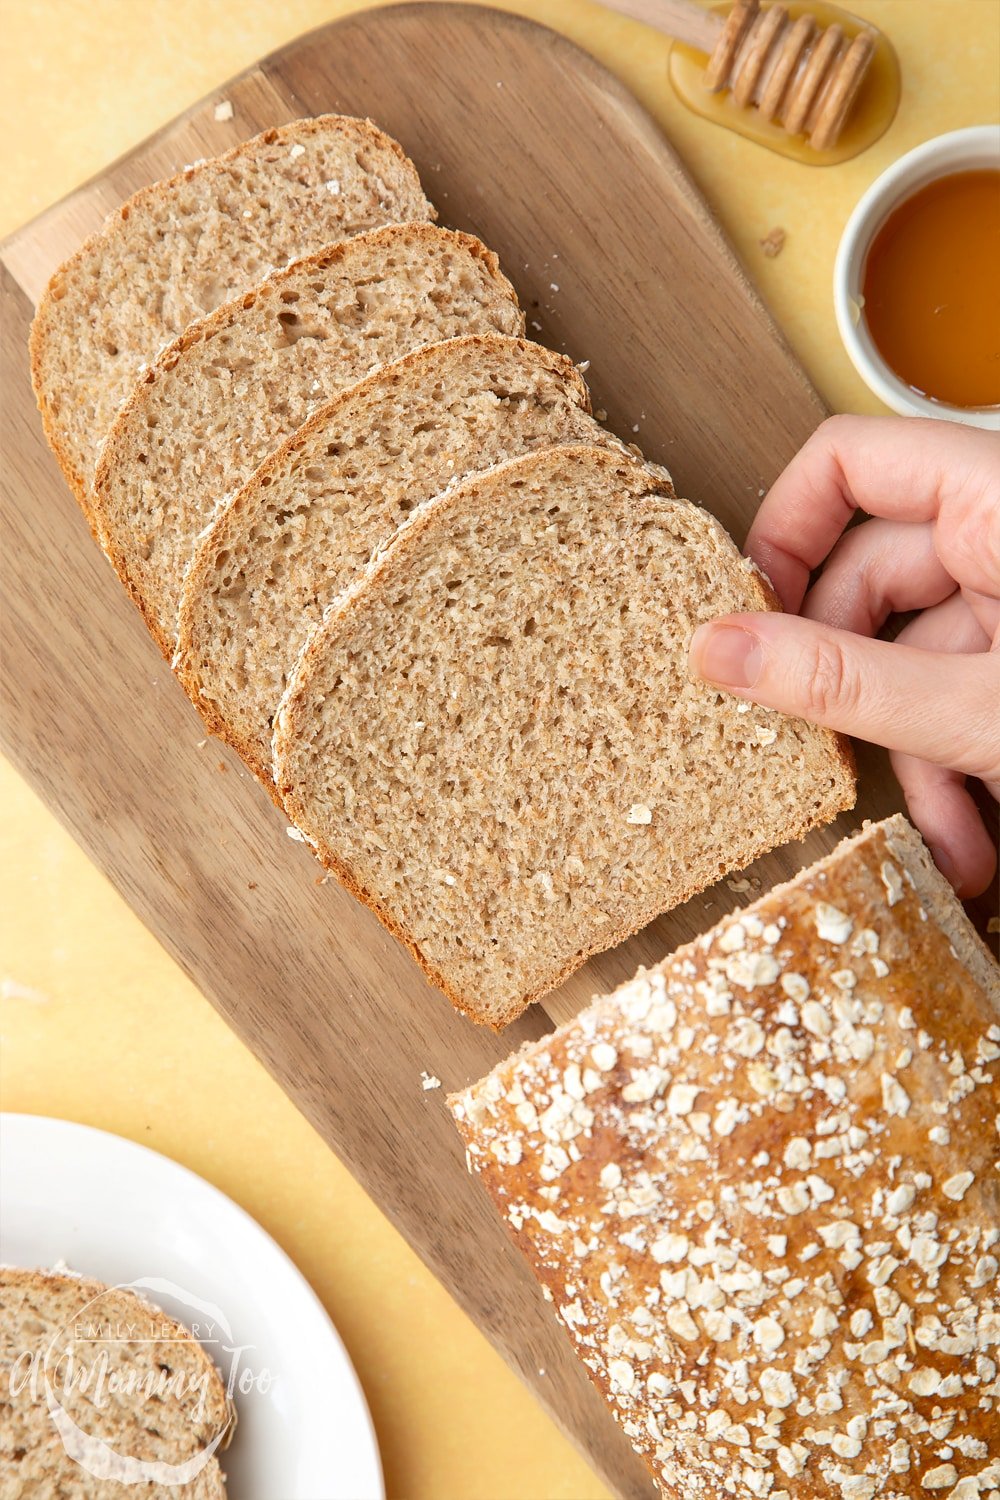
(759, 1185)
(224, 395)
(469, 733)
(179, 249)
(147, 1391)
(309, 520)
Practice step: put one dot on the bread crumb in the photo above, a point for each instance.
(993, 925)
(201, 744)
(600, 415)
(333, 185)
(428, 1081)
(223, 110)
(297, 150)
(773, 243)
(295, 834)
(638, 813)
(221, 766)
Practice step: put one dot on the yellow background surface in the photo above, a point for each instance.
(97, 1024)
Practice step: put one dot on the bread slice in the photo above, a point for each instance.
(177, 250)
(759, 1185)
(303, 528)
(102, 1394)
(232, 387)
(492, 738)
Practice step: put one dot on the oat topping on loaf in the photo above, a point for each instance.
(760, 1186)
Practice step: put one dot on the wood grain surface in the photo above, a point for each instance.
(529, 143)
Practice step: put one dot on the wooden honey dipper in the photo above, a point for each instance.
(796, 73)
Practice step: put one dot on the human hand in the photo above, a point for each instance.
(931, 543)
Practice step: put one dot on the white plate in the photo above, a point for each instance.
(122, 1213)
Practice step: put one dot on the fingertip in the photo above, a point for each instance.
(788, 577)
(940, 805)
(971, 869)
(961, 847)
(956, 837)
(946, 865)
(726, 653)
(979, 874)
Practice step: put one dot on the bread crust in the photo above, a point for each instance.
(114, 451)
(289, 721)
(228, 523)
(43, 324)
(729, 1173)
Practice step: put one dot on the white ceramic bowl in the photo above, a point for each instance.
(960, 150)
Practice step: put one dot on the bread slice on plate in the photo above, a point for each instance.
(759, 1187)
(492, 738)
(102, 1395)
(304, 527)
(225, 394)
(178, 249)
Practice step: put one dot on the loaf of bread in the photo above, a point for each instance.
(103, 1395)
(225, 394)
(313, 514)
(178, 249)
(493, 740)
(760, 1186)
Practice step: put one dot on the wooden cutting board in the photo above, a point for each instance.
(526, 141)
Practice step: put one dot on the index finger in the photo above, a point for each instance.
(901, 468)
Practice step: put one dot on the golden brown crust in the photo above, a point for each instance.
(289, 723)
(71, 474)
(365, 129)
(760, 1185)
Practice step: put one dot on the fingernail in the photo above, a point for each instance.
(946, 865)
(727, 655)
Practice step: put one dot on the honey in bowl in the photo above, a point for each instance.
(931, 289)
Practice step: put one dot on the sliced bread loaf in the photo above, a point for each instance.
(177, 250)
(759, 1183)
(103, 1395)
(492, 738)
(224, 395)
(313, 514)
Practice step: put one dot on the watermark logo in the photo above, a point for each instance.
(93, 1364)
